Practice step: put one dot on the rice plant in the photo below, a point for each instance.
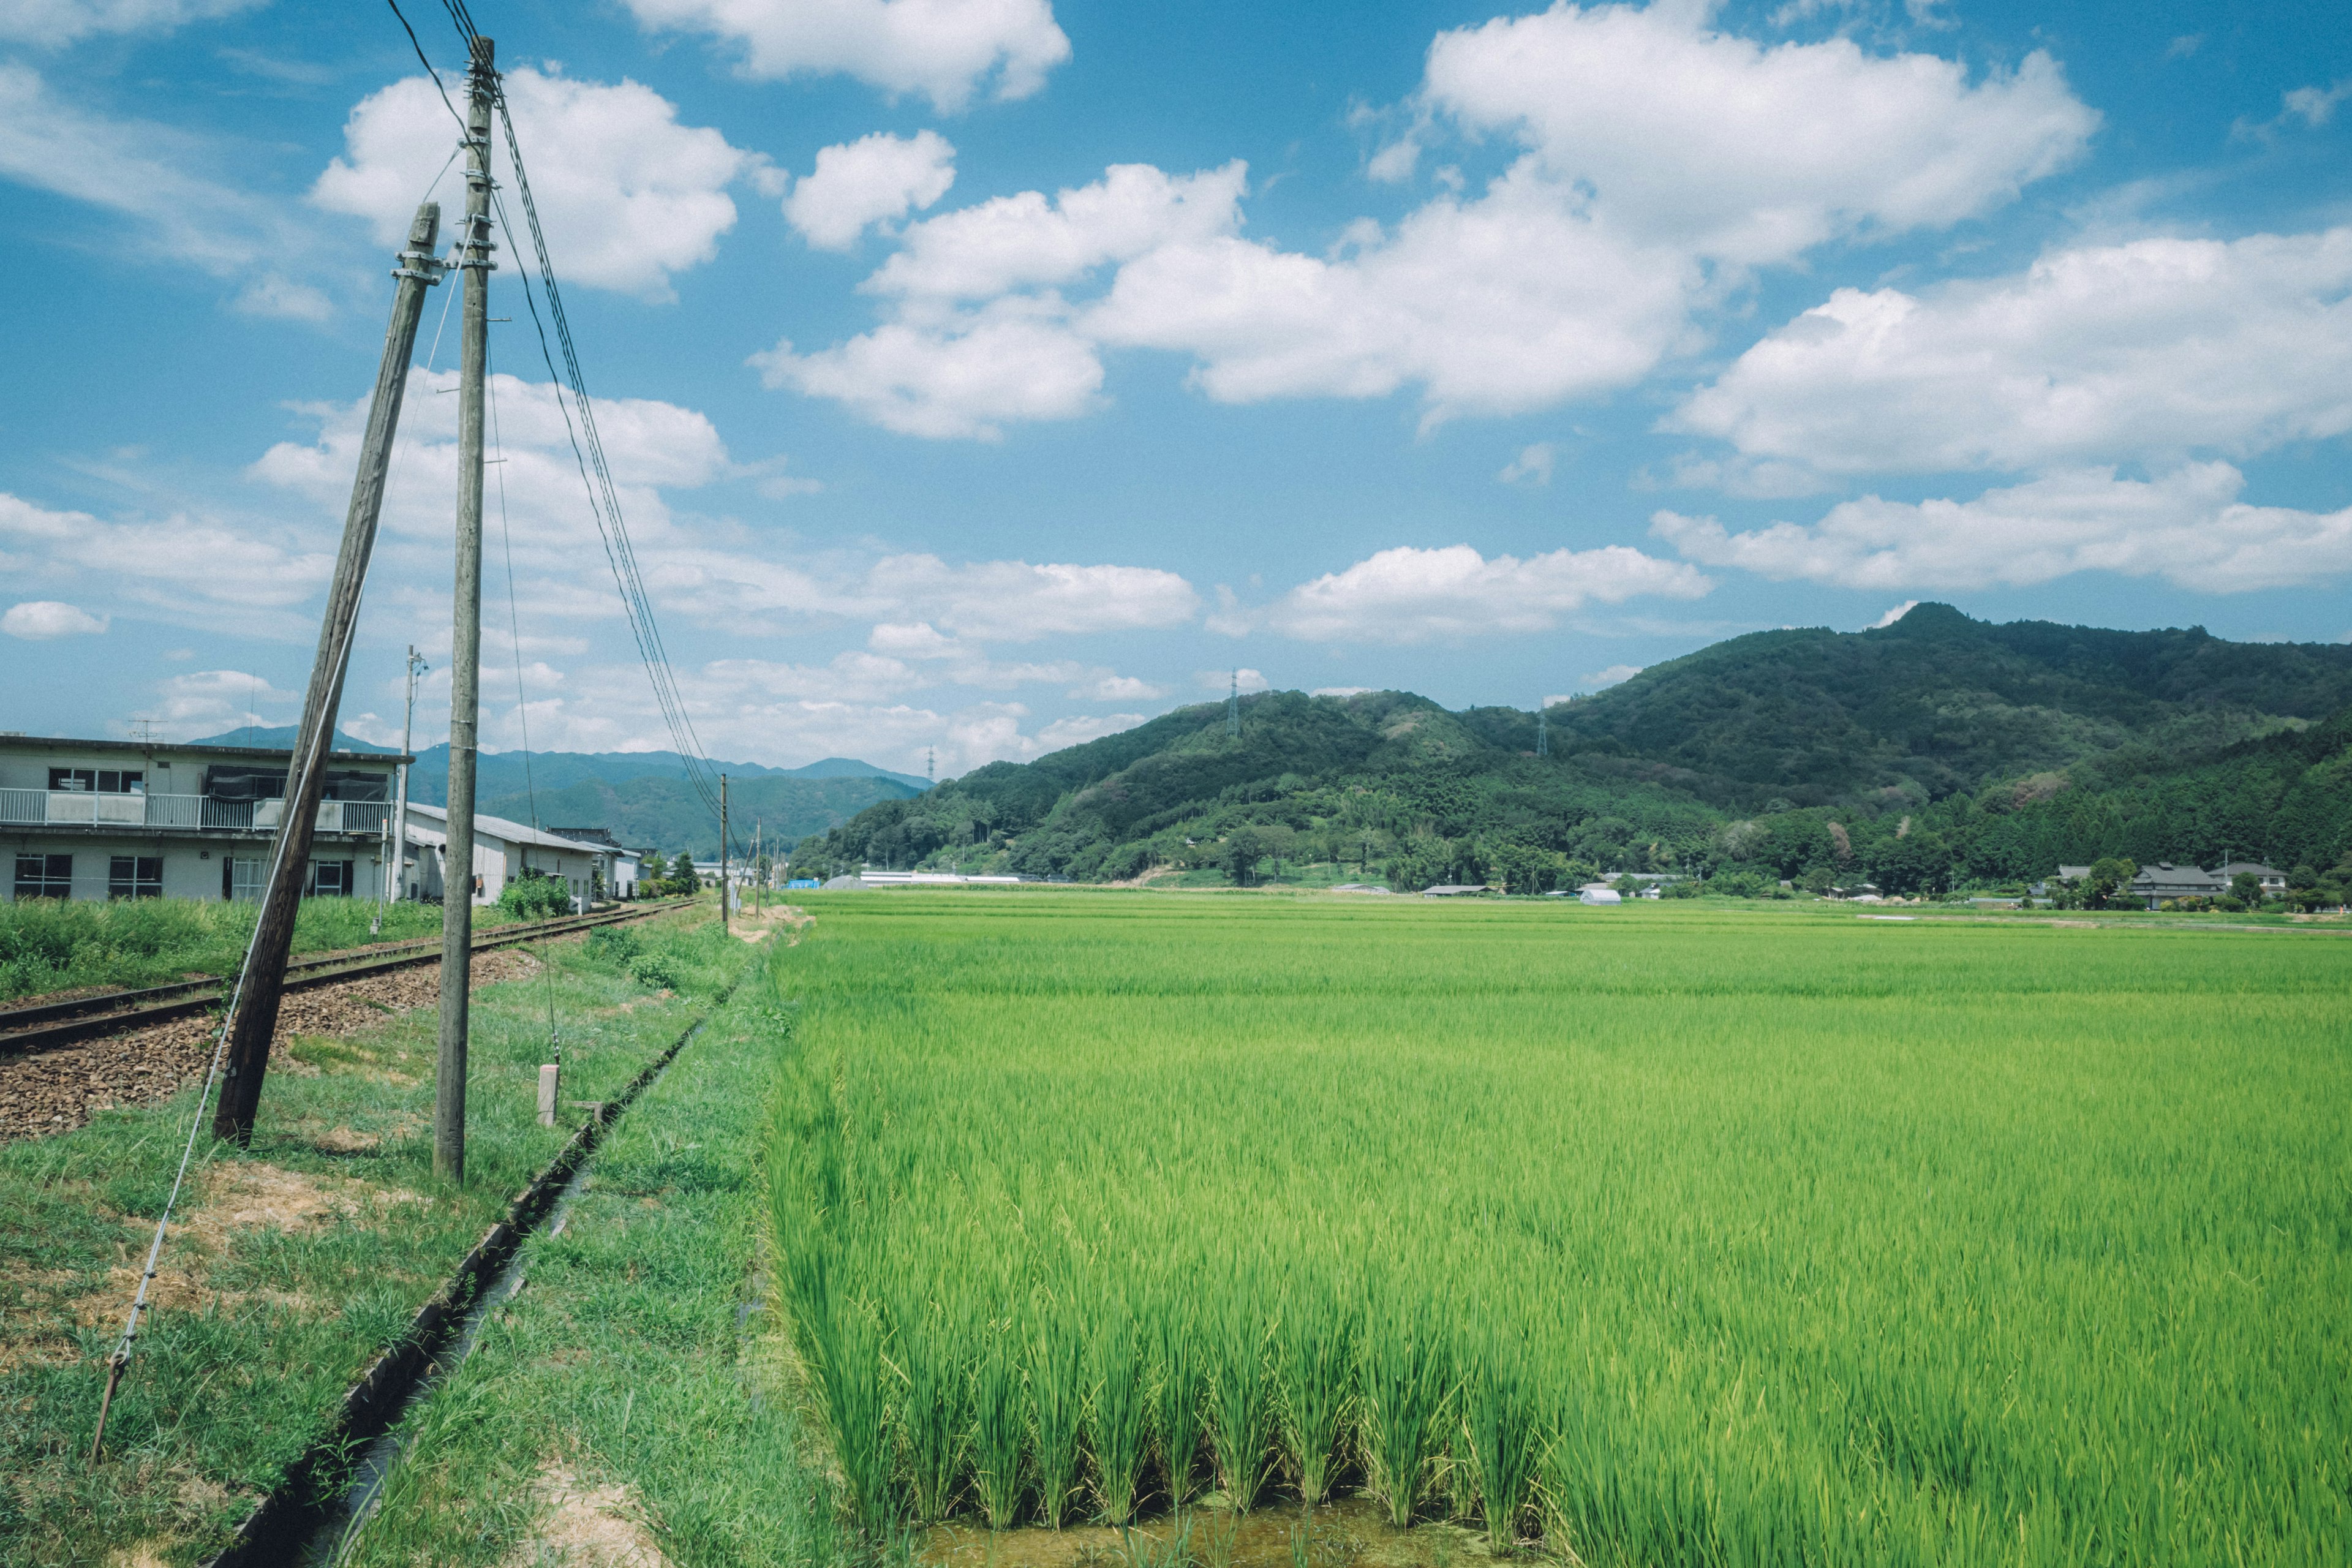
(1239, 1392)
(1500, 1436)
(1316, 1370)
(1119, 1405)
(1403, 1372)
(1180, 1392)
(935, 1407)
(1057, 1392)
(1000, 1429)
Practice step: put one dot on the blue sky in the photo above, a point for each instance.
(986, 374)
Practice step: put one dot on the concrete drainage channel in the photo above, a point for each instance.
(321, 1505)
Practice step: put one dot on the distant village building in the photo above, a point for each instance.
(502, 850)
(625, 865)
(1456, 890)
(141, 819)
(2273, 881)
(2163, 882)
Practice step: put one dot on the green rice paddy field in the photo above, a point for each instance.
(1643, 1235)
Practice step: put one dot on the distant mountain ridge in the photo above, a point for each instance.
(1842, 739)
(643, 799)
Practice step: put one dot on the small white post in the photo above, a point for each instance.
(547, 1094)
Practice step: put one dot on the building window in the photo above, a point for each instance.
(134, 877)
(330, 879)
(97, 781)
(244, 881)
(44, 876)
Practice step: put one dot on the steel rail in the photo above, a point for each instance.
(47, 1025)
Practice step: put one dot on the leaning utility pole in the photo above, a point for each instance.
(255, 1020)
(466, 648)
(723, 889)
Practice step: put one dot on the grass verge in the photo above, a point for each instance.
(291, 1263)
(616, 1404)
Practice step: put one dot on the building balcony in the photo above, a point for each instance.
(178, 813)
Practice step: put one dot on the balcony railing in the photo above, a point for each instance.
(183, 813)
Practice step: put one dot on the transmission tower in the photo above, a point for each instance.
(930, 765)
(1543, 734)
(1233, 708)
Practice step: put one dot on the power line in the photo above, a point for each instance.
(603, 500)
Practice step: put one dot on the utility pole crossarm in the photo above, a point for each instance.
(254, 1022)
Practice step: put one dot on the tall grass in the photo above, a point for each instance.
(52, 945)
(1671, 1234)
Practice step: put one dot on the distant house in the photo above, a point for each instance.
(627, 866)
(2073, 873)
(2164, 880)
(503, 850)
(2274, 882)
(1599, 896)
(1456, 890)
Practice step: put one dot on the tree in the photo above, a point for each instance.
(1914, 862)
(681, 871)
(2247, 888)
(1243, 852)
(2108, 876)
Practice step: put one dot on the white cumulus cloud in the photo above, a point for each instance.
(627, 196)
(945, 49)
(43, 620)
(2187, 526)
(2152, 350)
(875, 179)
(1658, 161)
(965, 376)
(1615, 675)
(1407, 594)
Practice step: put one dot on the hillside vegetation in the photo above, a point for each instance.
(1935, 752)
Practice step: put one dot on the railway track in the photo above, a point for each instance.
(49, 1025)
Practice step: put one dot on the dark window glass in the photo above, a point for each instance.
(44, 876)
(73, 778)
(330, 879)
(134, 877)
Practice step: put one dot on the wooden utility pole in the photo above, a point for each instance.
(254, 1021)
(466, 646)
(722, 852)
(396, 835)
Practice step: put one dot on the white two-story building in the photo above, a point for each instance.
(134, 819)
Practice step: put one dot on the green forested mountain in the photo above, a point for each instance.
(1937, 750)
